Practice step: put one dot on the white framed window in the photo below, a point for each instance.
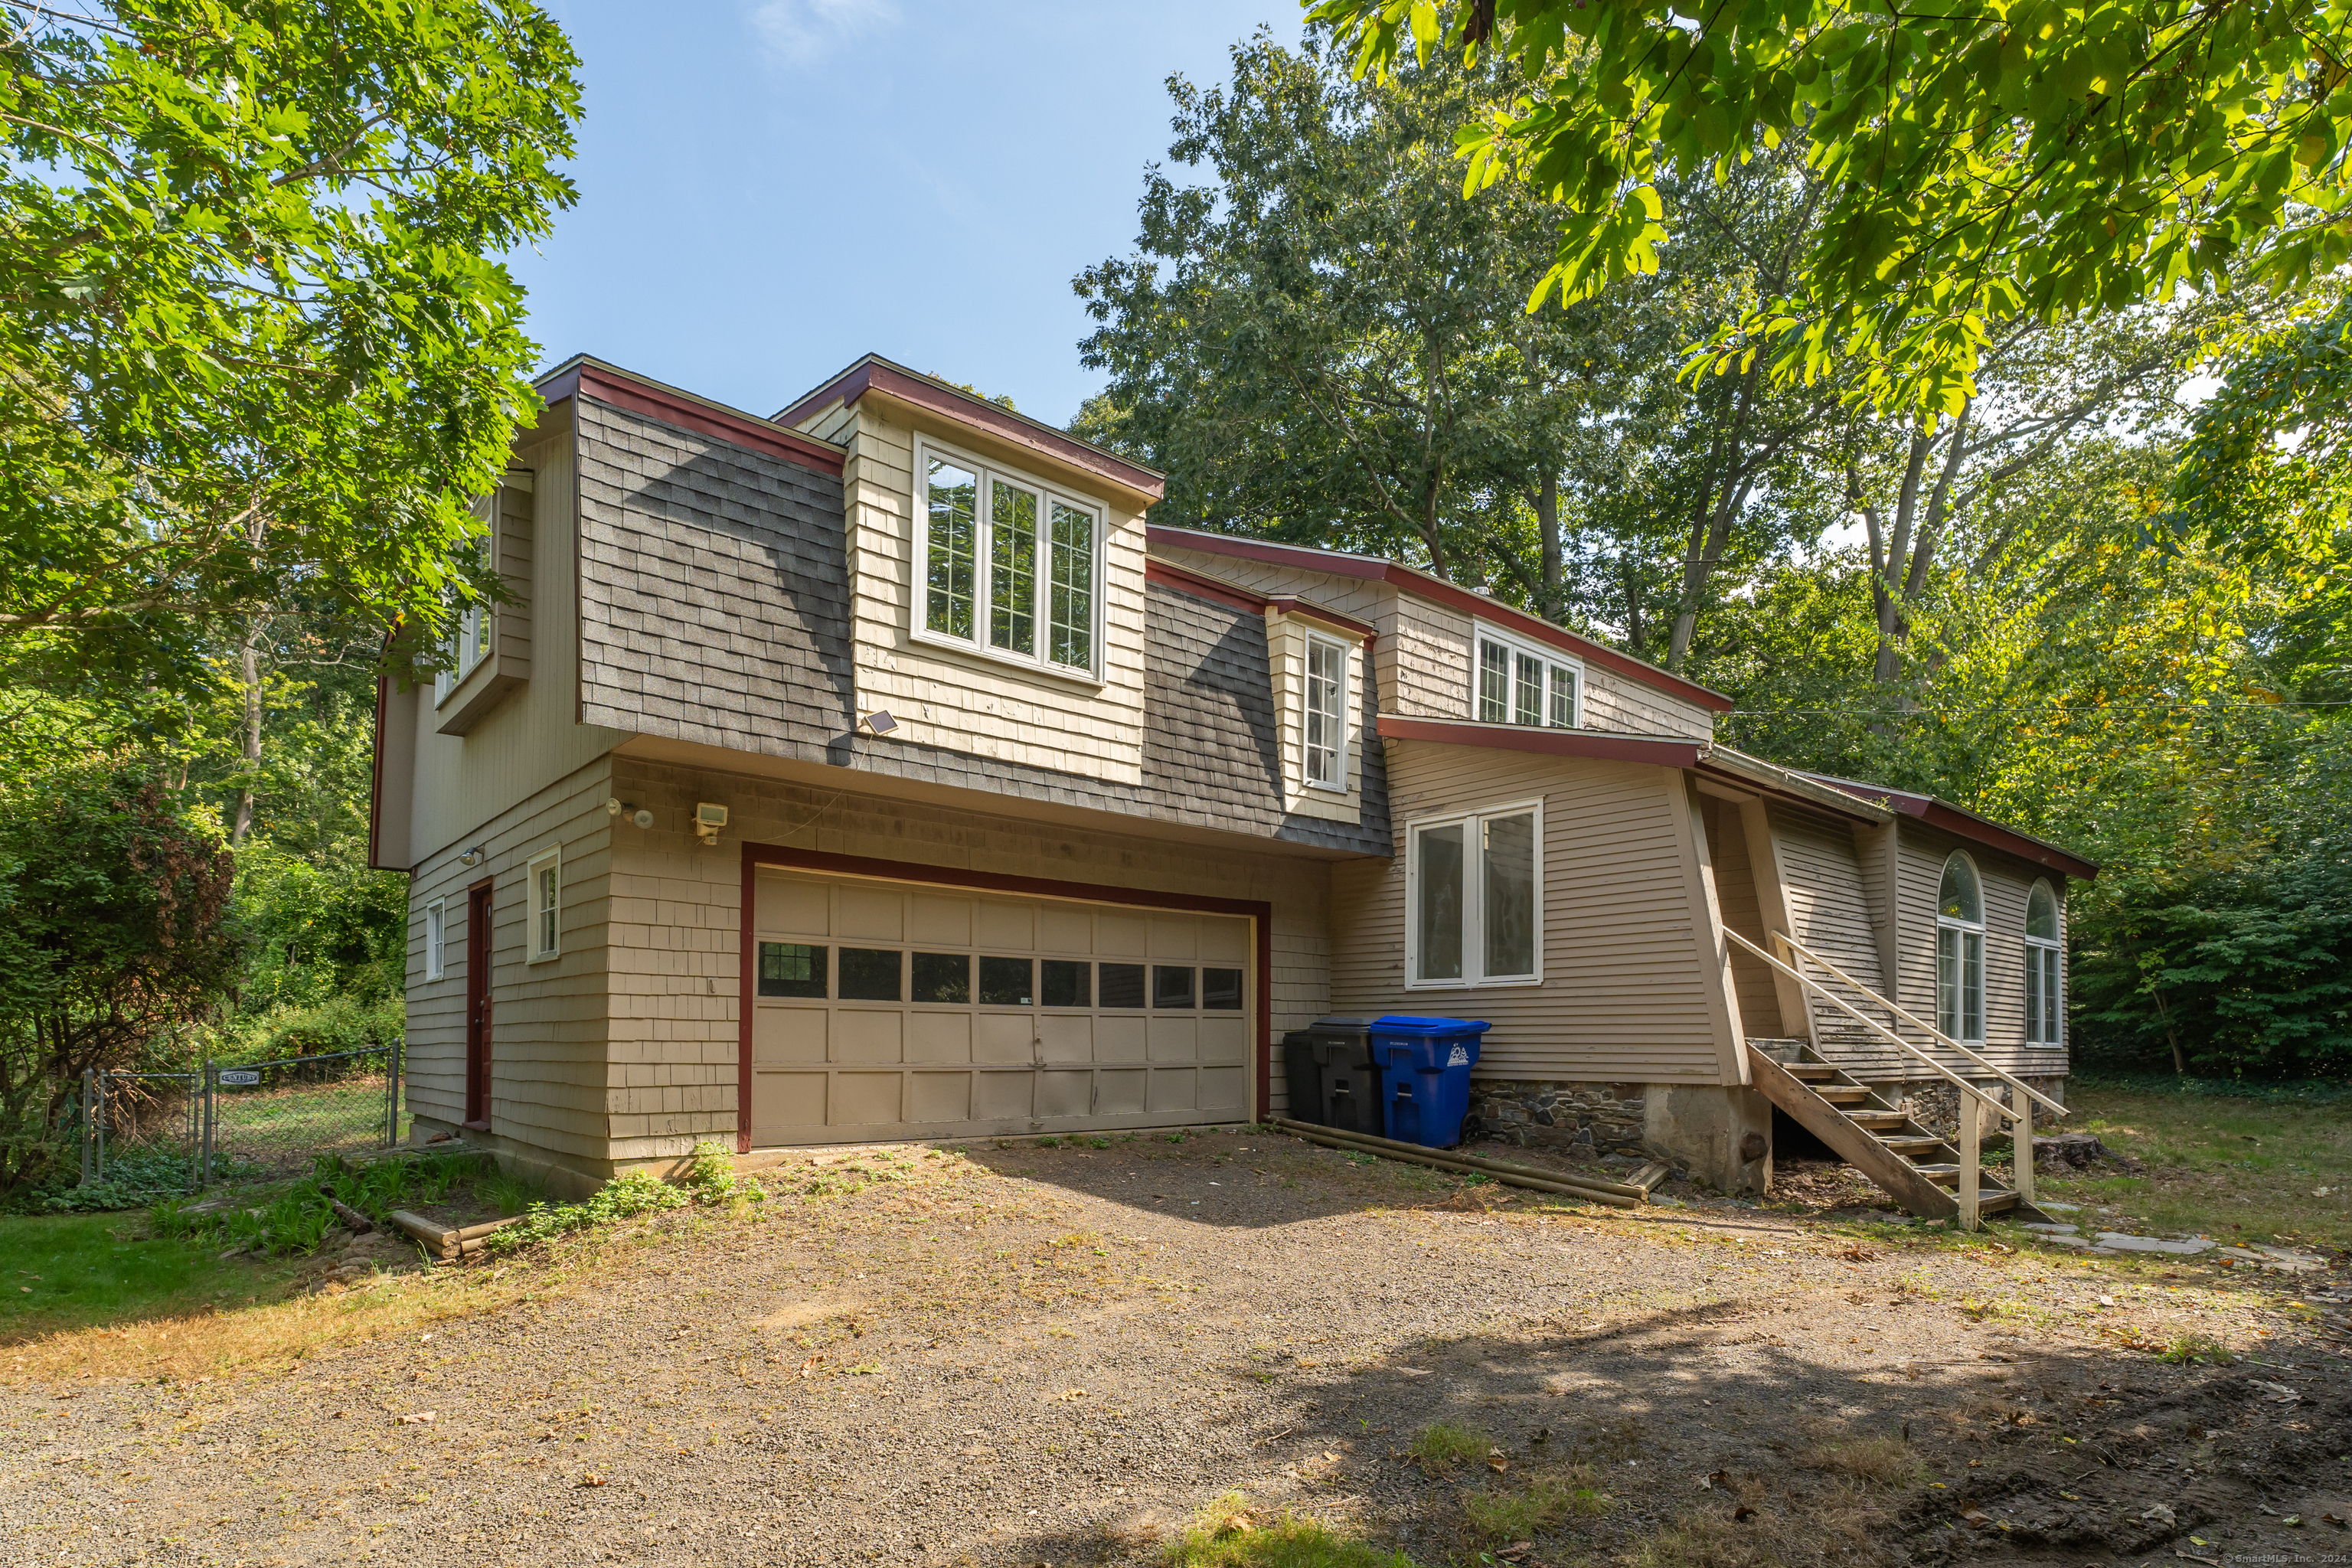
(469, 640)
(1516, 681)
(546, 901)
(1007, 565)
(437, 917)
(1959, 951)
(2045, 1004)
(1474, 896)
(1326, 738)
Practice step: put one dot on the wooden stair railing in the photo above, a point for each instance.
(1910, 1162)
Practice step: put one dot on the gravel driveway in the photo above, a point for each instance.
(1035, 1355)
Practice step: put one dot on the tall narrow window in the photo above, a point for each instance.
(436, 916)
(1520, 682)
(1072, 611)
(1475, 890)
(1959, 951)
(2045, 1009)
(469, 637)
(1327, 684)
(545, 891)
(1012, 568)
(952, 549)
(1493, 683)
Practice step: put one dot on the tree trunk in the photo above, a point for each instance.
(250, 673)
(1555, 602)
(1711, 525)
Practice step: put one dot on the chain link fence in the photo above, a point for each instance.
(252, 1121)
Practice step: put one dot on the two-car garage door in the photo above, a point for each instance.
(890, 1010)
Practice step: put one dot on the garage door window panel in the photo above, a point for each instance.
(1006, 983)
(1171, 986)
(943, 977)
(1066, 983)
(1221, 990)
(793, 968)
(871, 974)
(1122, 984)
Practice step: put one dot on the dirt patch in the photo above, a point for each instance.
(1058, 1356)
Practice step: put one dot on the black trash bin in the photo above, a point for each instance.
(1333, 1082)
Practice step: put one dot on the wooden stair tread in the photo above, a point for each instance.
(1809, 1072)
(1873, 1120)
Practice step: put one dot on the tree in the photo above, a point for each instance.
(255, 344)
(1986, 158)
(115, 932)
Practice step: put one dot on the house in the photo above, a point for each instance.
(878, 770)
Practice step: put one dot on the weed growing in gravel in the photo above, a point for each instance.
(1442, 1445)
(1228, 1535)
(1543, 1503)
(1886, 1461)
(711, 1179)
(2197, 1346)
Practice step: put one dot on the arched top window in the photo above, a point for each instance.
(1959, 953)
(1961, 899)
(2041, 913)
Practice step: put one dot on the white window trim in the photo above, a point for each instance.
(2035, 946)
(1041, 662)
(532, 908)
(1979, 929)
(1474, 900)
(436, 931)
(1344, 751)
(1486, 631)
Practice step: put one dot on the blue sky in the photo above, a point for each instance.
(770, 188)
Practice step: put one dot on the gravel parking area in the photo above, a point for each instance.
(1055, 1355)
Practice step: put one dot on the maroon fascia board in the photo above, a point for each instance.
(873, 375)
(621, 390)
(1260, 912)
(1336, 564)
(1966, 825)
(1662, 751)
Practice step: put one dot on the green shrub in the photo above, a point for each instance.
(297, 1217)
(709, 1178)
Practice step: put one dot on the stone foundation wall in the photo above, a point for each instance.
(1607, 1117)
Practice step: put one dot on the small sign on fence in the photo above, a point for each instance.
(243, 1076)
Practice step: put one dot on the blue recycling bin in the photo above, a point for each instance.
(1424, 1065)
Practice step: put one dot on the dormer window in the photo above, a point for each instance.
(1009, 566)
(1327, 721)
(1516, 681)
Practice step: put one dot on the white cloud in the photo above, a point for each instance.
(797, 32)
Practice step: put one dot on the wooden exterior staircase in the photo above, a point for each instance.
(1933, 1177)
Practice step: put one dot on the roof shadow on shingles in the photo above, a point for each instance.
(715, 602)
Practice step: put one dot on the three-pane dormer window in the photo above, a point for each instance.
(1009, 566)
(1515, 681)
(1327, 685)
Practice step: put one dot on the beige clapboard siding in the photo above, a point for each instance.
(2007, 881)
(1824, 878)
(968, 702)
(547, 1028)
(532, 738)
(1737, 899)
(1624, 989)
(676, 926)
(1611, 702)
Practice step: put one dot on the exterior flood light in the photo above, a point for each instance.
(473, 856)
(644, 818)
(880, 722)
(639, 815)
(707, 820)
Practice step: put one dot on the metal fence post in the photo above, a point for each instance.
(88, 1080)
(392, 1093)
(204, 1177)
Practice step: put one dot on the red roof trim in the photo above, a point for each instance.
(1553, 742)
(621, 390)
(962, 408)
(1535, 627)
(1291, 605)
(1967, 825)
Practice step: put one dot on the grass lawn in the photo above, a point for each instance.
(69, 1271)
(2249, 1169)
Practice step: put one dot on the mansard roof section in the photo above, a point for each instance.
(586, 375)
(874, 375)
(1412, 580)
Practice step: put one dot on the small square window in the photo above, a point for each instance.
(870, 974)
(1221, 990)
(943, 977)
(1007, 983)
(1065, 984)
(793, 969)
(1122, 985)
(1172, 985)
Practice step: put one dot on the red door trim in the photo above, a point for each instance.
(478, 1017)
(1259, 912)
